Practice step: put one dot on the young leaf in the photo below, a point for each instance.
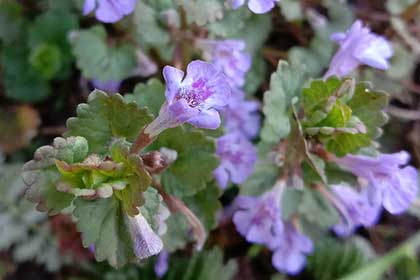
(105, 118)
(194, 164)
(285, 83)
(41, 175)
(97, 60)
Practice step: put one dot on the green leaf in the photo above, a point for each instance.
(105, 118)
(396, 7)
(316, 209)
(202, 11)
(150, 95)
(262, 180)
(153, 205)
(291, 10)
(99, 61)
(21, 81)
(204, 266)
(52, 29)
(376, 269)
(149, 29)
(205, 204)
(333, 259)
(46, 60)
(343, 117)
(285, 84)
(41, 175)
(11, 21)
(195, 162)
(232, 23)
(176, 236)
(290, 202)
(103, 224)
(256, 75)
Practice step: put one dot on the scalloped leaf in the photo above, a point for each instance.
(195, 163)
(105, 118)
(41, 175)
(99, 61)
(150, 95)
(103, 224)
(285, 84)
(202, 11)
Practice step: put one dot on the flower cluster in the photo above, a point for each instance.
(259, 220)
(359, 46)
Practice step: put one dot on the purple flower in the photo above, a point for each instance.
(242, 115)
(359, 46)
(390, 184)
(355, 209)
(291, 250)
(229, 56)
(108, 86)
(194, 98)
(146, 242)
(237, 159)
(109, 11)
(258, 219)
(256, 6)
(161, 265)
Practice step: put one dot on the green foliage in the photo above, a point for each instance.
(202, 11)
(11, 21)
(104, 224)
(21, 81)
(150, 95)
(343, 116)
(204, 266)
(291, 9)
(396, 7)
(23, 230)
(205, 205)
(99, 61)
(46, 60)
(262, 180)
(333, 259)
(194, 164)
(48, 40)
(105, 118)
(310, 205)
(41, 174)
(285, 84)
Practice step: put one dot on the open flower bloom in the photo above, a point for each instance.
(390, 183)
(237, 159)
(242, 115)
(359, 46)
(109, 11)
(194, 98)
(356, 210)
(258, 219)
(291, 250)
(256, 6)
(229, 56)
